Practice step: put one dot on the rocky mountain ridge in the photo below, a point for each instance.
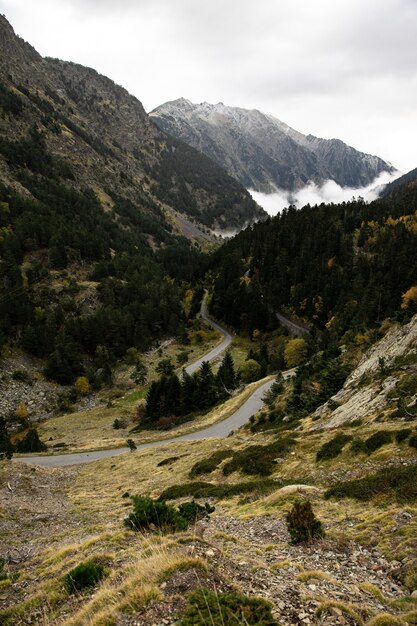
(261, 151)
(103, 133)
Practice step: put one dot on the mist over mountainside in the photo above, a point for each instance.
(264, 153)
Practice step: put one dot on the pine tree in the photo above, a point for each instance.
(226, 374)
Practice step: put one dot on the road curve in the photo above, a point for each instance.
(60, 460)
(218, 430)
(210, 356)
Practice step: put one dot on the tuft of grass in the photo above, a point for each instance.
(349, 609)
(307, 575)
(219, 609)
(385, 619)
(374, 591)
(85, 575)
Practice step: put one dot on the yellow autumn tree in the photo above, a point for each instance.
(295, 352)
(409, 298)
(22, 411)
(82, 386)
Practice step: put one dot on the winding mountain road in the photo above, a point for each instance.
(220, 429)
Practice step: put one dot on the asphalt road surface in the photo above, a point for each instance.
(220, 429)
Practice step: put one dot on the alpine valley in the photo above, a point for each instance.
(196, 431)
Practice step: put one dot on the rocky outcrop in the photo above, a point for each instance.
(262, 152)
(364, 392)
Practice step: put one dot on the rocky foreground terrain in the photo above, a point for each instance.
(363, 572)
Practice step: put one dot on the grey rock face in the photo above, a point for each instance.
(262, 152)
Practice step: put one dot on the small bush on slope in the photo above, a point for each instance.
(302, 524)
(148, 512)
(199, 489)
(400, 480)
(332, 448)
(206, 466)
(258, 460)
(219, 609)
(83, 576)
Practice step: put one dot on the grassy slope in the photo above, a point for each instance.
(88, 522)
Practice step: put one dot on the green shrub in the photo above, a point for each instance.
(83, 576)
(206, 466)
(199, 489)
(192, 511)
(358, 446)
(413, 441)
(258, 460)
(148, 512)
(377, 440)
(332, 448)
(399, 480)
(302, 524)
(407, 386)
(402, 435)
(221, 609)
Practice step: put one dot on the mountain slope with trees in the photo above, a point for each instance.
(340, 268)
(92, 260)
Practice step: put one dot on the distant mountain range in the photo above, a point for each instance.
(262, 152)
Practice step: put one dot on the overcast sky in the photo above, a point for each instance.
(333, 68)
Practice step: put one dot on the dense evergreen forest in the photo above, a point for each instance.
(60, 231)
(340, 268)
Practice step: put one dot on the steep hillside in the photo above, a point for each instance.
(340, 268)
(408, 180)
(358, 476)
(262, 152)
(103, 135)
(102, 217)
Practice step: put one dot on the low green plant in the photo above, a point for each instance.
(219, 609)
(22, 376)
(148, 512)
(85, 575)
(199, 489)
(377, 440)
(331, 449)
(302, 524)
(258, 460)
(412, 442)
(206, 466)
(402, 435)
(399, 480)
(192, 511)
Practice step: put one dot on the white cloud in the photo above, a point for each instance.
(312, 194)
